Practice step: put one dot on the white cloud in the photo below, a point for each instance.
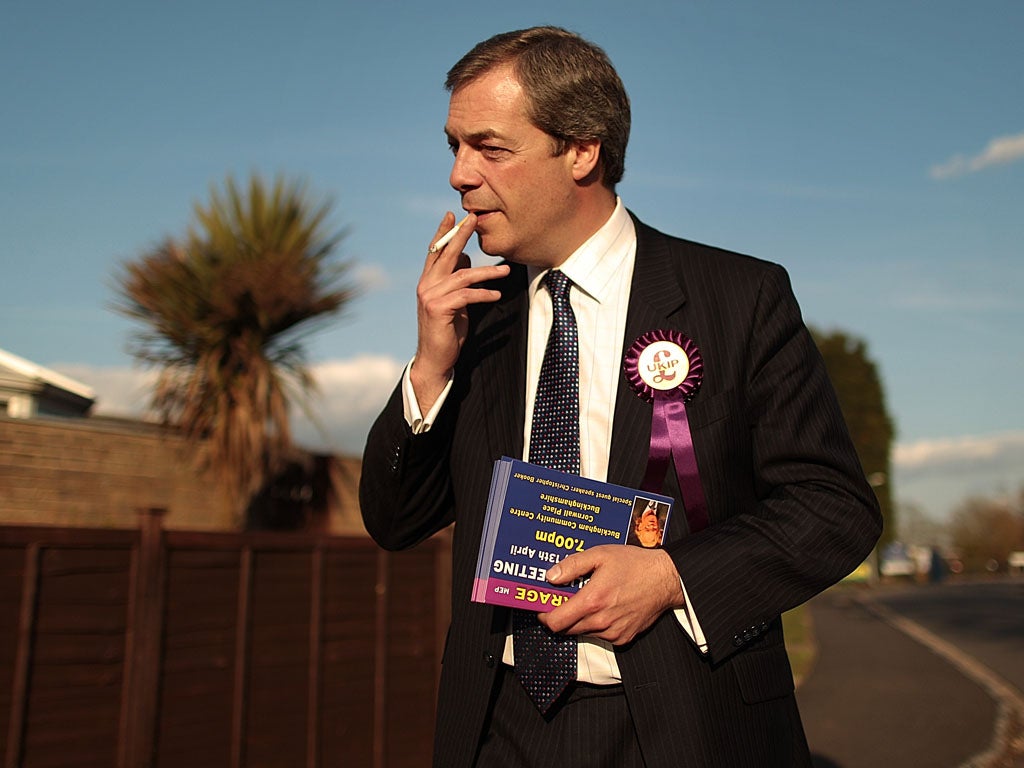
(358, 377)
(1001, 150)
(967, 452)
(372, 277)
(120, 390)
(939, 475)
(350, 394)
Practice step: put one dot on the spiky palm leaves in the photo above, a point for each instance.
(225, 310)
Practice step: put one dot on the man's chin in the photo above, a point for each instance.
(494, 246)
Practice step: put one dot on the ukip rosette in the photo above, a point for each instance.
(664, 367)
(664, 362)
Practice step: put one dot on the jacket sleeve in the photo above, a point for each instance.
(808, 517)
(405, 493)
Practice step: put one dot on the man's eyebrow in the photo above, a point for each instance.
(476, 136)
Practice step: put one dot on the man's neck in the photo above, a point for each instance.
(597, 206)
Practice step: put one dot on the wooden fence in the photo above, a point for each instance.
(169, 649)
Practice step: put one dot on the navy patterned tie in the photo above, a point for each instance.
(546, 662)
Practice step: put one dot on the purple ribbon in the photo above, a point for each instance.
(670, 427)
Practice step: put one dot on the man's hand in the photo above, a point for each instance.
(445, 290)
(629, 588)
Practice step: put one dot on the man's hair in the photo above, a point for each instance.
(572, 90)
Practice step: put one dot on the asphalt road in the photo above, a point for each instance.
(983, 619)
(879, 696)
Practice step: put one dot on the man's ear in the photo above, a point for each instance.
(587, 160)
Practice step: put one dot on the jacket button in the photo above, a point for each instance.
(489, 659)
(737, 640)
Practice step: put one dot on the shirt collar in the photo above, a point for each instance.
(596, 264)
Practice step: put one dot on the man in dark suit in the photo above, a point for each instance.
(681, 659)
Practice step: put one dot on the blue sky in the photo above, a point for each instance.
(876, 149)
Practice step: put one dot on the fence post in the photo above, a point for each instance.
(139, 704)
(316, 594)
(26, 625)
(380, 682)
(240, 693)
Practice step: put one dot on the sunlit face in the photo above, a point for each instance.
(648, 530)
(505, 170)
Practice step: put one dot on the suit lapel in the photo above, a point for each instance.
(656, 295)
(501, 374)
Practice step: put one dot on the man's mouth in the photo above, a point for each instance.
(481, 213)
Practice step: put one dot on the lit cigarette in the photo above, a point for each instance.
(444, 239)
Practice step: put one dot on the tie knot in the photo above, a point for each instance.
(558, 284)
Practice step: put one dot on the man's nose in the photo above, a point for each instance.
(464, 175)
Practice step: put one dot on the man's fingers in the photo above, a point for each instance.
(628, 589)
(445, 304)
(572, 567)
(446, 256)
(568, 617)
(447, 222)
(460, 286)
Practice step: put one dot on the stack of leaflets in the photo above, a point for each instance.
(536, 516)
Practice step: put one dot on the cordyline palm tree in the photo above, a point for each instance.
(225, 310)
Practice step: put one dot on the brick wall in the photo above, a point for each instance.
(98, 473)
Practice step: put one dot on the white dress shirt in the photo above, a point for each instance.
(601, 271)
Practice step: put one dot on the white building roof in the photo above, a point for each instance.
(40, 375)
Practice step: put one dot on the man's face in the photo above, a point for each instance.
(647, 529)
(649, 521)
(504, 169)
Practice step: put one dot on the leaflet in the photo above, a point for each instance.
(537, 516)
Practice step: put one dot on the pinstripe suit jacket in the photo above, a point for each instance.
(789, 508)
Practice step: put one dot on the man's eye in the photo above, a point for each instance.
(493, 151)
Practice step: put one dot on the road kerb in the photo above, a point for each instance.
(1008, 732)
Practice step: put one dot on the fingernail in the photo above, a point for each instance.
(554, 573)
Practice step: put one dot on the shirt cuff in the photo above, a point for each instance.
(417, 422)
(687, 619)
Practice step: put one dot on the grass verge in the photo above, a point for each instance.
(800, 643)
